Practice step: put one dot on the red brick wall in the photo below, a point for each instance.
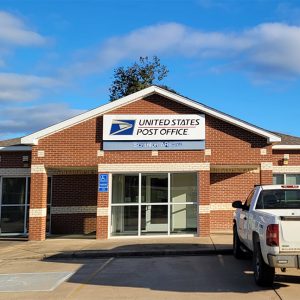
(102, 221)
(266, 177)
(73, 223)
(78, 145)
(233, 145)
(102, 227)
(204, 199)
(14, 159)
(294, 159)
(221, 220)
(226, 188)
(38, 199)
(74, 190)
(74, 146)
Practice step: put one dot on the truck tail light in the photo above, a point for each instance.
(272, 235)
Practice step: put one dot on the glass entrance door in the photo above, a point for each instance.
(154, 210)
(154, 204)
(14, 204)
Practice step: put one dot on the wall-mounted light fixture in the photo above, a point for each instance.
(286, 158)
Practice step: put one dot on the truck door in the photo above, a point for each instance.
(244, 219)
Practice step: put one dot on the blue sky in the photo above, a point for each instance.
(57, 57)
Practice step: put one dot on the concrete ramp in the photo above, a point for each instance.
(29, 282)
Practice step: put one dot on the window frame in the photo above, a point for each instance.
(285, 177)
(26, 204)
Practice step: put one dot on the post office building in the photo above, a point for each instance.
(153, 163)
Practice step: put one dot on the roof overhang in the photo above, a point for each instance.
(32, 139)
(15, 148)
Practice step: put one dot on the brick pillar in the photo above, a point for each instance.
(38, 203)
(204, 201)
(102, 214)
(266, 173)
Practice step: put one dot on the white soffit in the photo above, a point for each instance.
(286, 147)
(32, 139)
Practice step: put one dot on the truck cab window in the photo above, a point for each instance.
(248, 200)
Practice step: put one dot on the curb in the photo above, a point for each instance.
(119, 254)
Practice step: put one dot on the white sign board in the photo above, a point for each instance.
(153, 127)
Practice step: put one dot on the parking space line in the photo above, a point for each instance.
(81, 286)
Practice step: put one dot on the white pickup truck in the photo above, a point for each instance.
(268, 225)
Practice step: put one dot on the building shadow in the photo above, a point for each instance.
(173, 273)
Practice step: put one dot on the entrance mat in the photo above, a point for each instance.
(32, 282)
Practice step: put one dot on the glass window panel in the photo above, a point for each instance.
(155, 188)
(125, 188)
(12, 219)
(184, 187)
(183, 218)
(124, 220)
(154, 219)
(28, 191)
(279, 199)
(27, 218)
(49, 190)
(13, 190)
(48, 219)
(293, 179)
(154, 204)
(278, 179)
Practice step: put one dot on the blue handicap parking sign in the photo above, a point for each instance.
(103, 183)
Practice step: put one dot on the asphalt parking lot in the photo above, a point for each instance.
(176, 277)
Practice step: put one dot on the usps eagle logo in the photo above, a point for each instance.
(122, 127)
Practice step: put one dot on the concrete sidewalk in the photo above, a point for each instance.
(72, 247)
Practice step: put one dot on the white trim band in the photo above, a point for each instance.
(266, 166)
(155, 167)
(102, 211)
(221, 206)
(286, 169)
(38, 169)
(52, 172)
(37, 212)
(14, 171)
(234, 169)
(62, 210)
(204, 209)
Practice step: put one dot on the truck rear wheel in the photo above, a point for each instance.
(263, 274)
(237, 251)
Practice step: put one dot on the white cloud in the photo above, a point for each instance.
(271, 49)
(29, 119)
(13, 31)
(22, 87)
(15, 80)
(144, 41)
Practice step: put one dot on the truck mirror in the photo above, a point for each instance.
(237, 204)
